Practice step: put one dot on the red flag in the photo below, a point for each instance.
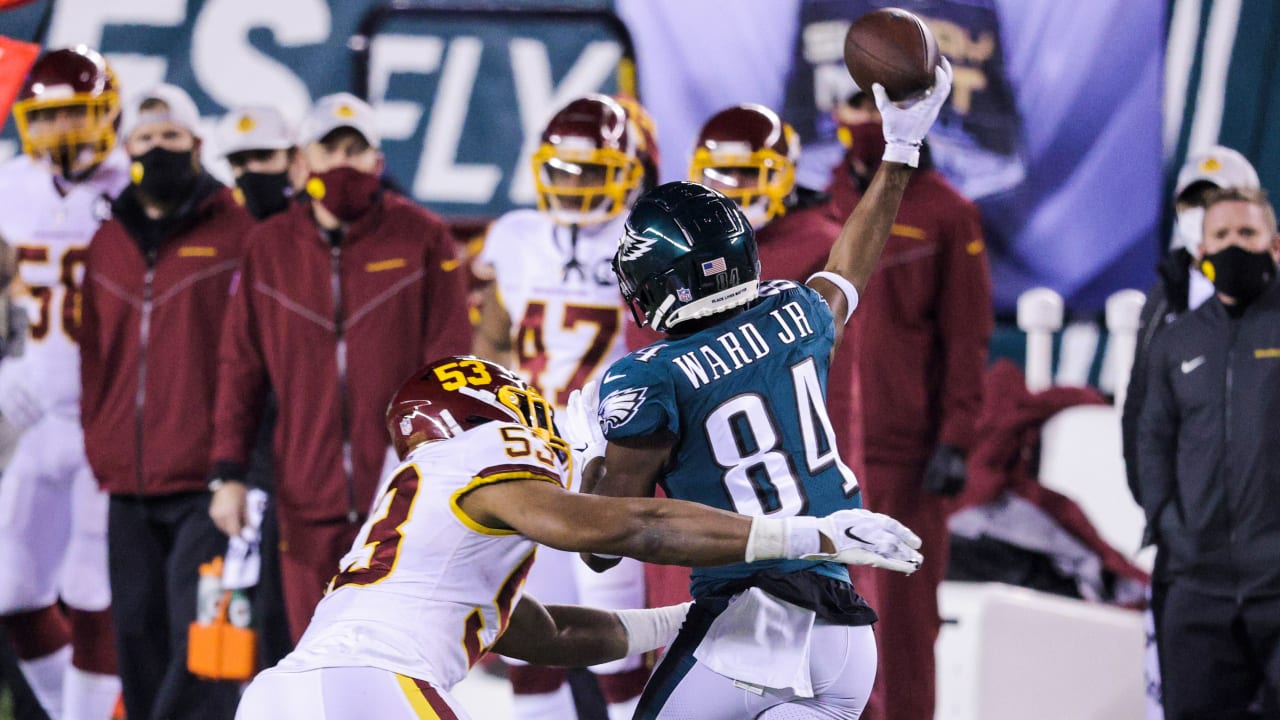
(16, 59)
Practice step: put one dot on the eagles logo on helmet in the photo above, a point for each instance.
(588, 168)
(748, 153)
(69, 110)
(454, 394)
(687, 252)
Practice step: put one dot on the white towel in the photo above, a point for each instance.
(244, 560)
(761, 640)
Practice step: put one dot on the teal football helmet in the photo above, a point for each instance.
(686, 252)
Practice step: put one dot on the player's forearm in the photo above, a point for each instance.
(563, 635)
(670, 532)
(857, 249)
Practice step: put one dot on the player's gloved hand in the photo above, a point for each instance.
(581, 424)
(946, 472)
(18, 403)
(905, 127)
(862, 537)
(853, 537)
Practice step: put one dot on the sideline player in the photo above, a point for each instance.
(52, 514)
(729, 410)
(553, 311)
(435, 576)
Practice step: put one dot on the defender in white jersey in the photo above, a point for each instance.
(435, 579)
(52, 514)
(553, 309)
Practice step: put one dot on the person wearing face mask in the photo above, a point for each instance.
(156, 287)
(1179, 288)
(265, 161)
(922, 347)
(1207, 455)
(340, 297)
(269, 172)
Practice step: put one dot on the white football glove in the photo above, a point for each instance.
(581, 425)
(905, 127)
(18, 403)
(862, 537)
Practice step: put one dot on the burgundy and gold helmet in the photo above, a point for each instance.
(587, 169)
(647, 144)
(454, 394)
(748, 153)
(77, 80)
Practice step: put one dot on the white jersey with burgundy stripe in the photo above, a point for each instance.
(557, 283)
(49, 230)
(426, 590)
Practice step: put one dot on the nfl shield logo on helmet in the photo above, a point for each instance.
(684, 295)
(712, 267)
(406, 426)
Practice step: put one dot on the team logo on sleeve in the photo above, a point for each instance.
(618, 407)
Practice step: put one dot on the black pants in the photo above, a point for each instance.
(269, 618)
(155, 548)
(1220, 658)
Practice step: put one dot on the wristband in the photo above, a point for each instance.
(902, 153)
(850, 292)
(650, 629)
(784, 539)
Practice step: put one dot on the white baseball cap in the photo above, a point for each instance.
(338, 111)
(181, 109)
(253, 128)
(1220, 166)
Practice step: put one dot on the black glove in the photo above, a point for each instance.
(945, 474)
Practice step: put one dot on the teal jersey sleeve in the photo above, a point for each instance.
(637, 398)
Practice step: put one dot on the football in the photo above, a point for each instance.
(894, 48)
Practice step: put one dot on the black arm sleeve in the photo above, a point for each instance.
(1157, 440)
(1149, 325)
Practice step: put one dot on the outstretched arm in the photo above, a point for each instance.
(667, 532)
(674, 532)
(573, 636)
(858, 247)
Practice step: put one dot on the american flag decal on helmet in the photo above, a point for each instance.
(618, 407)
(711, 267)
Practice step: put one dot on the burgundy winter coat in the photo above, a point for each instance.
(152, 314)
(334, 330)
(924, 322)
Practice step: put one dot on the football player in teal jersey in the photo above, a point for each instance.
(729, 410)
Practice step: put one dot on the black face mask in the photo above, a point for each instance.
(264, 194)
(1238, 273)
(164, 175)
